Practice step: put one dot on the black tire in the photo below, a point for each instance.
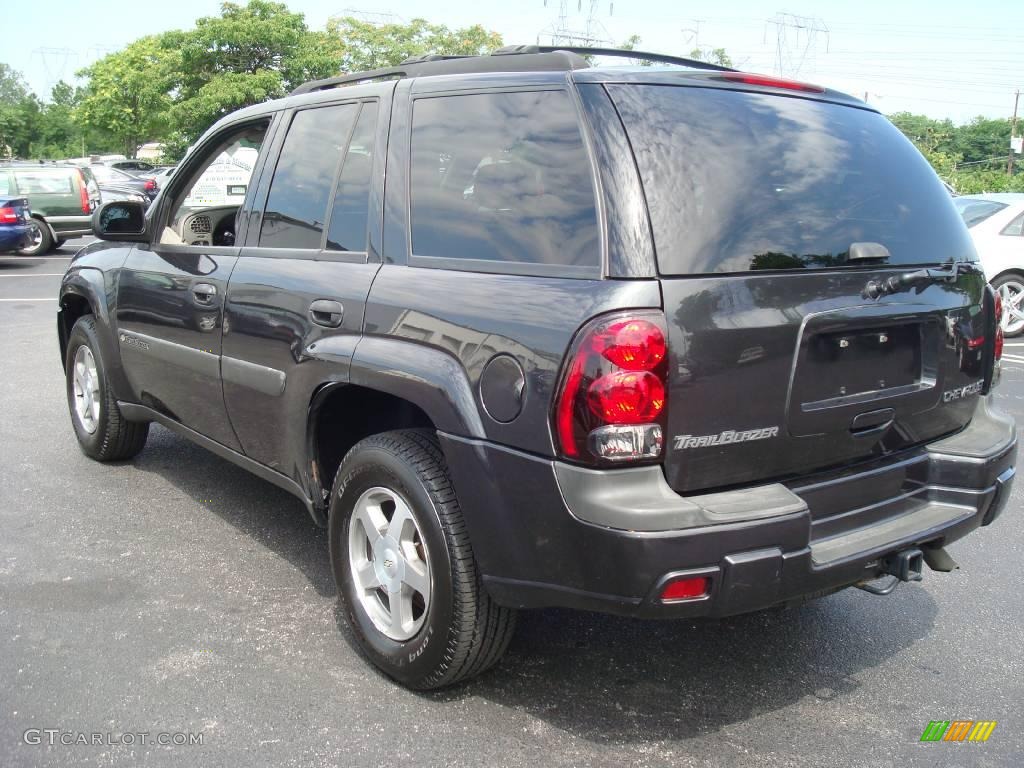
(59, 243)
(114, 438)
(464, 632)
(1015, 279)
(42, 240)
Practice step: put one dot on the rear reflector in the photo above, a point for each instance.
(686, 589)
(770, 82)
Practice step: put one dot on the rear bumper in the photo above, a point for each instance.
(549, 534)
(14, 237)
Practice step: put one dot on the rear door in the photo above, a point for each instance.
(760, 205)
(303, 275)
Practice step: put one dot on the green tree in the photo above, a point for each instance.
(712, 56)
(248, 54)
(128, 93)
(19, 114)
(372, 46)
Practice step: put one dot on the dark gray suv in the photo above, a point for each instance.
(523, 332)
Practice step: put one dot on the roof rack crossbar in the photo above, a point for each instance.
(355, 77)
(661, 58)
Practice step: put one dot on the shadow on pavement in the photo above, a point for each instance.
(271, 516)
(610, 679)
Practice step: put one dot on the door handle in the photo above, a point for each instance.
(326, 313)
(204, 293)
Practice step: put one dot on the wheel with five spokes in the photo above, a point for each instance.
(404, 565)
(1010, 288)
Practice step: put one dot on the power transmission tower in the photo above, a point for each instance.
(55, 63)
(796, 40)
(581, 30)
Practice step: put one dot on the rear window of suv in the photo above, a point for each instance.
(502, 177)
(44, 182)
(738, 181)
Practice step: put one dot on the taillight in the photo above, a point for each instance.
(999, 326)
(83, 192)
(770, 82)
(150, 185)
(611, 404)
(9, 216)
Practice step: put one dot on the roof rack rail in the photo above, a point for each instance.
(511, 58)
(661, 58)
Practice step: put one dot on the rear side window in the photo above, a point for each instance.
(299, 193)
(739, 181)
(44, 182)
(502, 177)
(1015, 227)
(351, 205)
(5, 183)
(976, 211)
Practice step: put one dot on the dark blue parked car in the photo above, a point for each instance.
(14, 223)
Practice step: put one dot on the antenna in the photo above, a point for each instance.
(796, 39)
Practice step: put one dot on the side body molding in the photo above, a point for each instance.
(425, 376)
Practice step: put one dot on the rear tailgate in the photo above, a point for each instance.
(780, 363)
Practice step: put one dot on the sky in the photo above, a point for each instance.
(940, 58)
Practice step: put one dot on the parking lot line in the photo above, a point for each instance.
(39, 274)
(47, 298)
(29, 258)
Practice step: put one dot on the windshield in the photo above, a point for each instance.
(739, 181)
(975, 211)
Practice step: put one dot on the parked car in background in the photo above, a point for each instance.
(135, 167)
(162, 176)
(61, 200)
(14, 221)
(996, 223)
(112, 178)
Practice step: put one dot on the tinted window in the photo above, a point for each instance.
(740, 181)
(297, 205)
(5, 184)
(1015, 227)
(502, 177)
(974, 211)
(347, 230)
(44, 182)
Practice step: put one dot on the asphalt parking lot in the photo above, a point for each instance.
(177, 593)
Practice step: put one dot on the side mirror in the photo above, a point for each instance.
(121, 220)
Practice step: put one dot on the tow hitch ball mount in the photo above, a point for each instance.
(906, 565)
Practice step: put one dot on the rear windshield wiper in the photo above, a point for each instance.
(877, 288)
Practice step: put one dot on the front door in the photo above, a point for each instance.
(171, 293)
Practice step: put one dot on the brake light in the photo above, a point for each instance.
(83, 193)
(611, 405)
(770, 82)
(150, 185)
(999, 326)
(9, 216)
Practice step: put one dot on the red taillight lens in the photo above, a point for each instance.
(686, 589)
(636, 345)
(999, 326)
(611, 403)
(627, 397)
(83, 193)
(770, 82)
(150, 185)
(8, 216)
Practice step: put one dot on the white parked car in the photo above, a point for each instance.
(996, 223)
